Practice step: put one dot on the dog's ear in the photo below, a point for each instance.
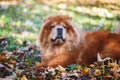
(46, 19)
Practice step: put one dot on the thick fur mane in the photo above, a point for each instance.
(75, 34)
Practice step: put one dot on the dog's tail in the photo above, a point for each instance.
(117, 29)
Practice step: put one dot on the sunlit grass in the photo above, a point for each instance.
(23, 19)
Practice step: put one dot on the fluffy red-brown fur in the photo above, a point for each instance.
(103, 42)
(79, 47)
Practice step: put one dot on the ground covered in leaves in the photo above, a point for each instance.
(24, 63)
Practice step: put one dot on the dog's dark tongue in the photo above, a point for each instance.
(59, 41)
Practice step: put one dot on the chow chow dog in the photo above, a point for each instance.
(62, 43)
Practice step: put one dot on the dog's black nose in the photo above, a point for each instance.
(59, 32)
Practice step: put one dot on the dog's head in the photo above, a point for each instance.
(57, 30)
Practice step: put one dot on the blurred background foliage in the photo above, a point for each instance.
(22, 19)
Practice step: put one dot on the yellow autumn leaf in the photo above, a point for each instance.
(38, 64)
(113, 65)
(18, 23)
(92, 65)
(24, 78)
(2, 17)
(97, 72)
(60, 68)
(19, 41)
(56, 76)
(79, 67)
(86, 71)
(31, 36)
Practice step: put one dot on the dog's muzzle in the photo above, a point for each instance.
(59, 38)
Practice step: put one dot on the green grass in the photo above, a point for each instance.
(14, 20)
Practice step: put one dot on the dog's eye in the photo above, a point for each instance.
(52, 27)
(64, 26)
